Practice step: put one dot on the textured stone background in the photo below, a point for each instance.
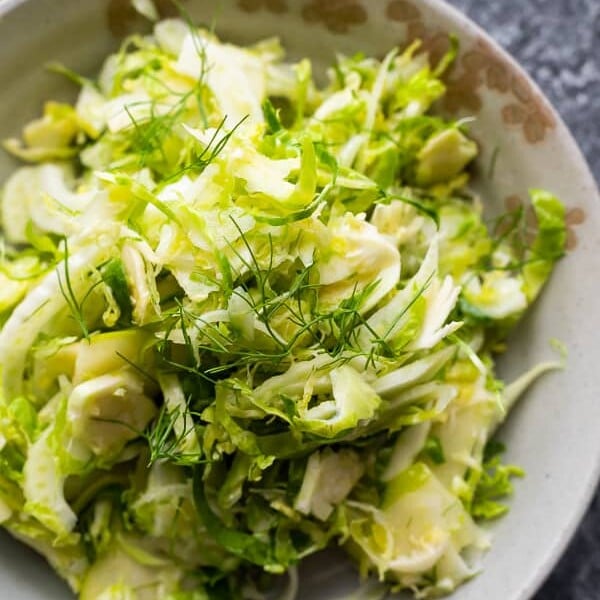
(558, 42)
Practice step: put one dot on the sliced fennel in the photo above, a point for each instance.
(245, 318)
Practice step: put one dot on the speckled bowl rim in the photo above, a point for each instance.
(561, 541)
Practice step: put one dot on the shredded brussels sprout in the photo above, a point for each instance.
(245, 317)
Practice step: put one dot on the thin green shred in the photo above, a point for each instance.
(247, 317)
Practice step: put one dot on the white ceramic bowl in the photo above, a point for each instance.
(553, 434)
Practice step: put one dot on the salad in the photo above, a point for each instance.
(245, 317)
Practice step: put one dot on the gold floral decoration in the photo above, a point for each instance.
(480, 66)
(123, 19)
(403, 11)
(337, 15)
(574, 217)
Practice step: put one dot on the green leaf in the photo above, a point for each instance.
(494, 484)
(549, 243)
(271, 117)
(241, 544)
(113, 275)
(434, 451)
(23, 412)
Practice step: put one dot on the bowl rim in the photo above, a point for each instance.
(567, 139)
